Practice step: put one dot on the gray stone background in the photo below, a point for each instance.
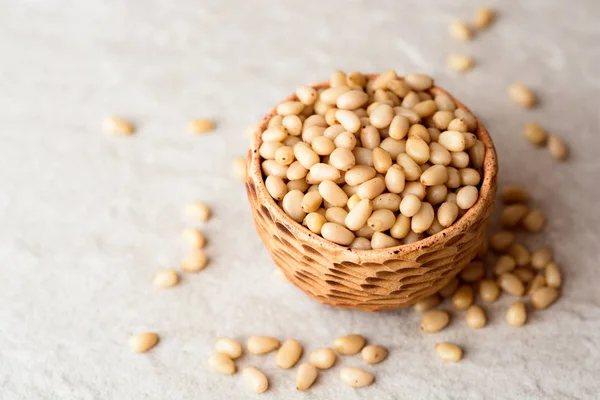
(86, 219)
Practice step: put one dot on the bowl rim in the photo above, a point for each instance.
(302, 233)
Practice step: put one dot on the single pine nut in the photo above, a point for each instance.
(276, 187)
(361, 243)
(195, 261)
(461, 31)
(425, 108)
(466, 197)
(489, 291)
(472, 272)
(349, 344)
(197, 211)
(255, 379)
(388, 201)
(484, 17)
(444, 103)
(516, 315)
(434, 321)
(537, 282)
(118, 126)
(297, 184)
(511, 284)
(373, 354)
(292, 204)
(476, 317)
(200, 126)
(412, 171)
(399, 127)
(228, 346)
(269, 167)
(337, 233)
(292, 125)
(261, 344)
(513, 214)
(275, 134)
(525, 274)
(438, 154)
(435, 175)
(515, 194)
(521, 95)
(222, 364)
(460, 62)
(417, 149)
(166, 278)
(543, 297)
(371, 188)
(463, 297)
(306, 95)
(359, 214)
(370, 137)
(557, 147)
(401, 227)
(453, 140)
(352, 100)
(540, 258)
(322, 145)
(333, 194)
(459, 159)
(418, 81)
(534, 134)
(502, 240)
(382, 161)
(553, 275)
(423, 219)
(477, 154)
(349, 120)
(468, 117)
(356, 79)
(453, 180)
(193, 238)
(449, 352)
(469, 176)
(323, 358)
(381, 220)
(447, 214)
(437, 194)
(504, 264)
(311, 201)
(337, 215)
(321, 172)
(458, 125)
(520, 253)
(288, 354)
(314, 222)
(142, 342)
(534, 221)
(296, 171)
(343, 159)
(356, 377)
(381, 241)
(410, 205)
(306, 376)
(450, 288)
(382, 116)
(305, 155)
(427, 303)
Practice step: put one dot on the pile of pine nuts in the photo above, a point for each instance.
(227, 350)
(372, 163)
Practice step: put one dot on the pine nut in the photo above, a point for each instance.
(477, 154)
(197, 211)
(511, 284)
(343, 159)
(434, 321)
(261, 344)
(438, 155)
(311, 201)
(388, 201)
(193, 238)
(361, 243)
(118, 126)
(449, 352)
(349, 344)
(417, 149)
(333, 193)
(382, 116)
(381, 220)
(520, 253)
(314, 222)
(370, 137)
(553, 275)
(373, 354)
(269, 167)
(381, 241)
(338, 78)
(399, 127)
(418, 81)
(359, 174)
(484, 17)
(290, 108)
(222, 364)
(521, 95)
(412, 171)
(356, 79)
(358, 216)
(447, 214)
(306, 95)
(504, 264)
(435, 175)
(472, 272)
(444, 103)
(489, 291)
(349, 120)
(297, 184)
(425, 108)
(458, 125)
(352, 100)
(200, 126)
(288, 354)
(276, 187)
(423, 219)
(452, 140)
(525, 274)
(515, 194)
(460, 62)
(502, 240)
(228, 346)
(401, 227)
(557, 148)
(306, 376)
(537, 282)
(356, 377)
(371, 188)
(543, 297)
(461, 31)
(195, 261)
(427, 303)
(534, 134)
(469, 177)
(337, 234)
(337, 215)
(410, 205)
(450, 288)
(476, 317)
(541, 258)
(534, 221)
(516, 315)
(513, 214)
(463, 297)
(437, 194)
(323, 358)
(382, 161)
(143, 342)
(255, 379)
(292, 204)
(453, 179)
(166, 278)
(466, 197)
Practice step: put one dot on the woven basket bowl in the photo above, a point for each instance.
(370, 280)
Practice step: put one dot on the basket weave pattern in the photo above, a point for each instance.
(370, 280)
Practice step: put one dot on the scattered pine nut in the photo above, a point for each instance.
(261, 344)
(521, 95)
(228, 346)
(323, 358)
(557, 148)
(489, 291)
(461, 31)
(222, 364)
(200, 126)
(484, 17)
(511, 284)
(537, 282)
(505, 263)
(288, 354)
(349, 344)
(535, 134)
(197, 211)
(552, 275)
(434, 321)
(514, 194)
(534, 221)
(166, 278)
(543, 297)
(460, 62)
(463, 297)
(516, 314)
(525, 274)
(373, 354)
(143, 342)
(513, 214)
(449, 352)
(476, 317)
(502, 240)
(118, 126)
(255, 379)
(520, 253)
(195, 261)
(239, 167)
(193, 238)
(427, 303)
(540, 258)
(356, 377)
(306, 376)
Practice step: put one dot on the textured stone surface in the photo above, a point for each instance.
(86, 219)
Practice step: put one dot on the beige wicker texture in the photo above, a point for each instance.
(370, 280)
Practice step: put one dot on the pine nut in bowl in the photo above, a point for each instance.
(353, 243)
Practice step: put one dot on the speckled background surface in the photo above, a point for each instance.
(87, 218)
